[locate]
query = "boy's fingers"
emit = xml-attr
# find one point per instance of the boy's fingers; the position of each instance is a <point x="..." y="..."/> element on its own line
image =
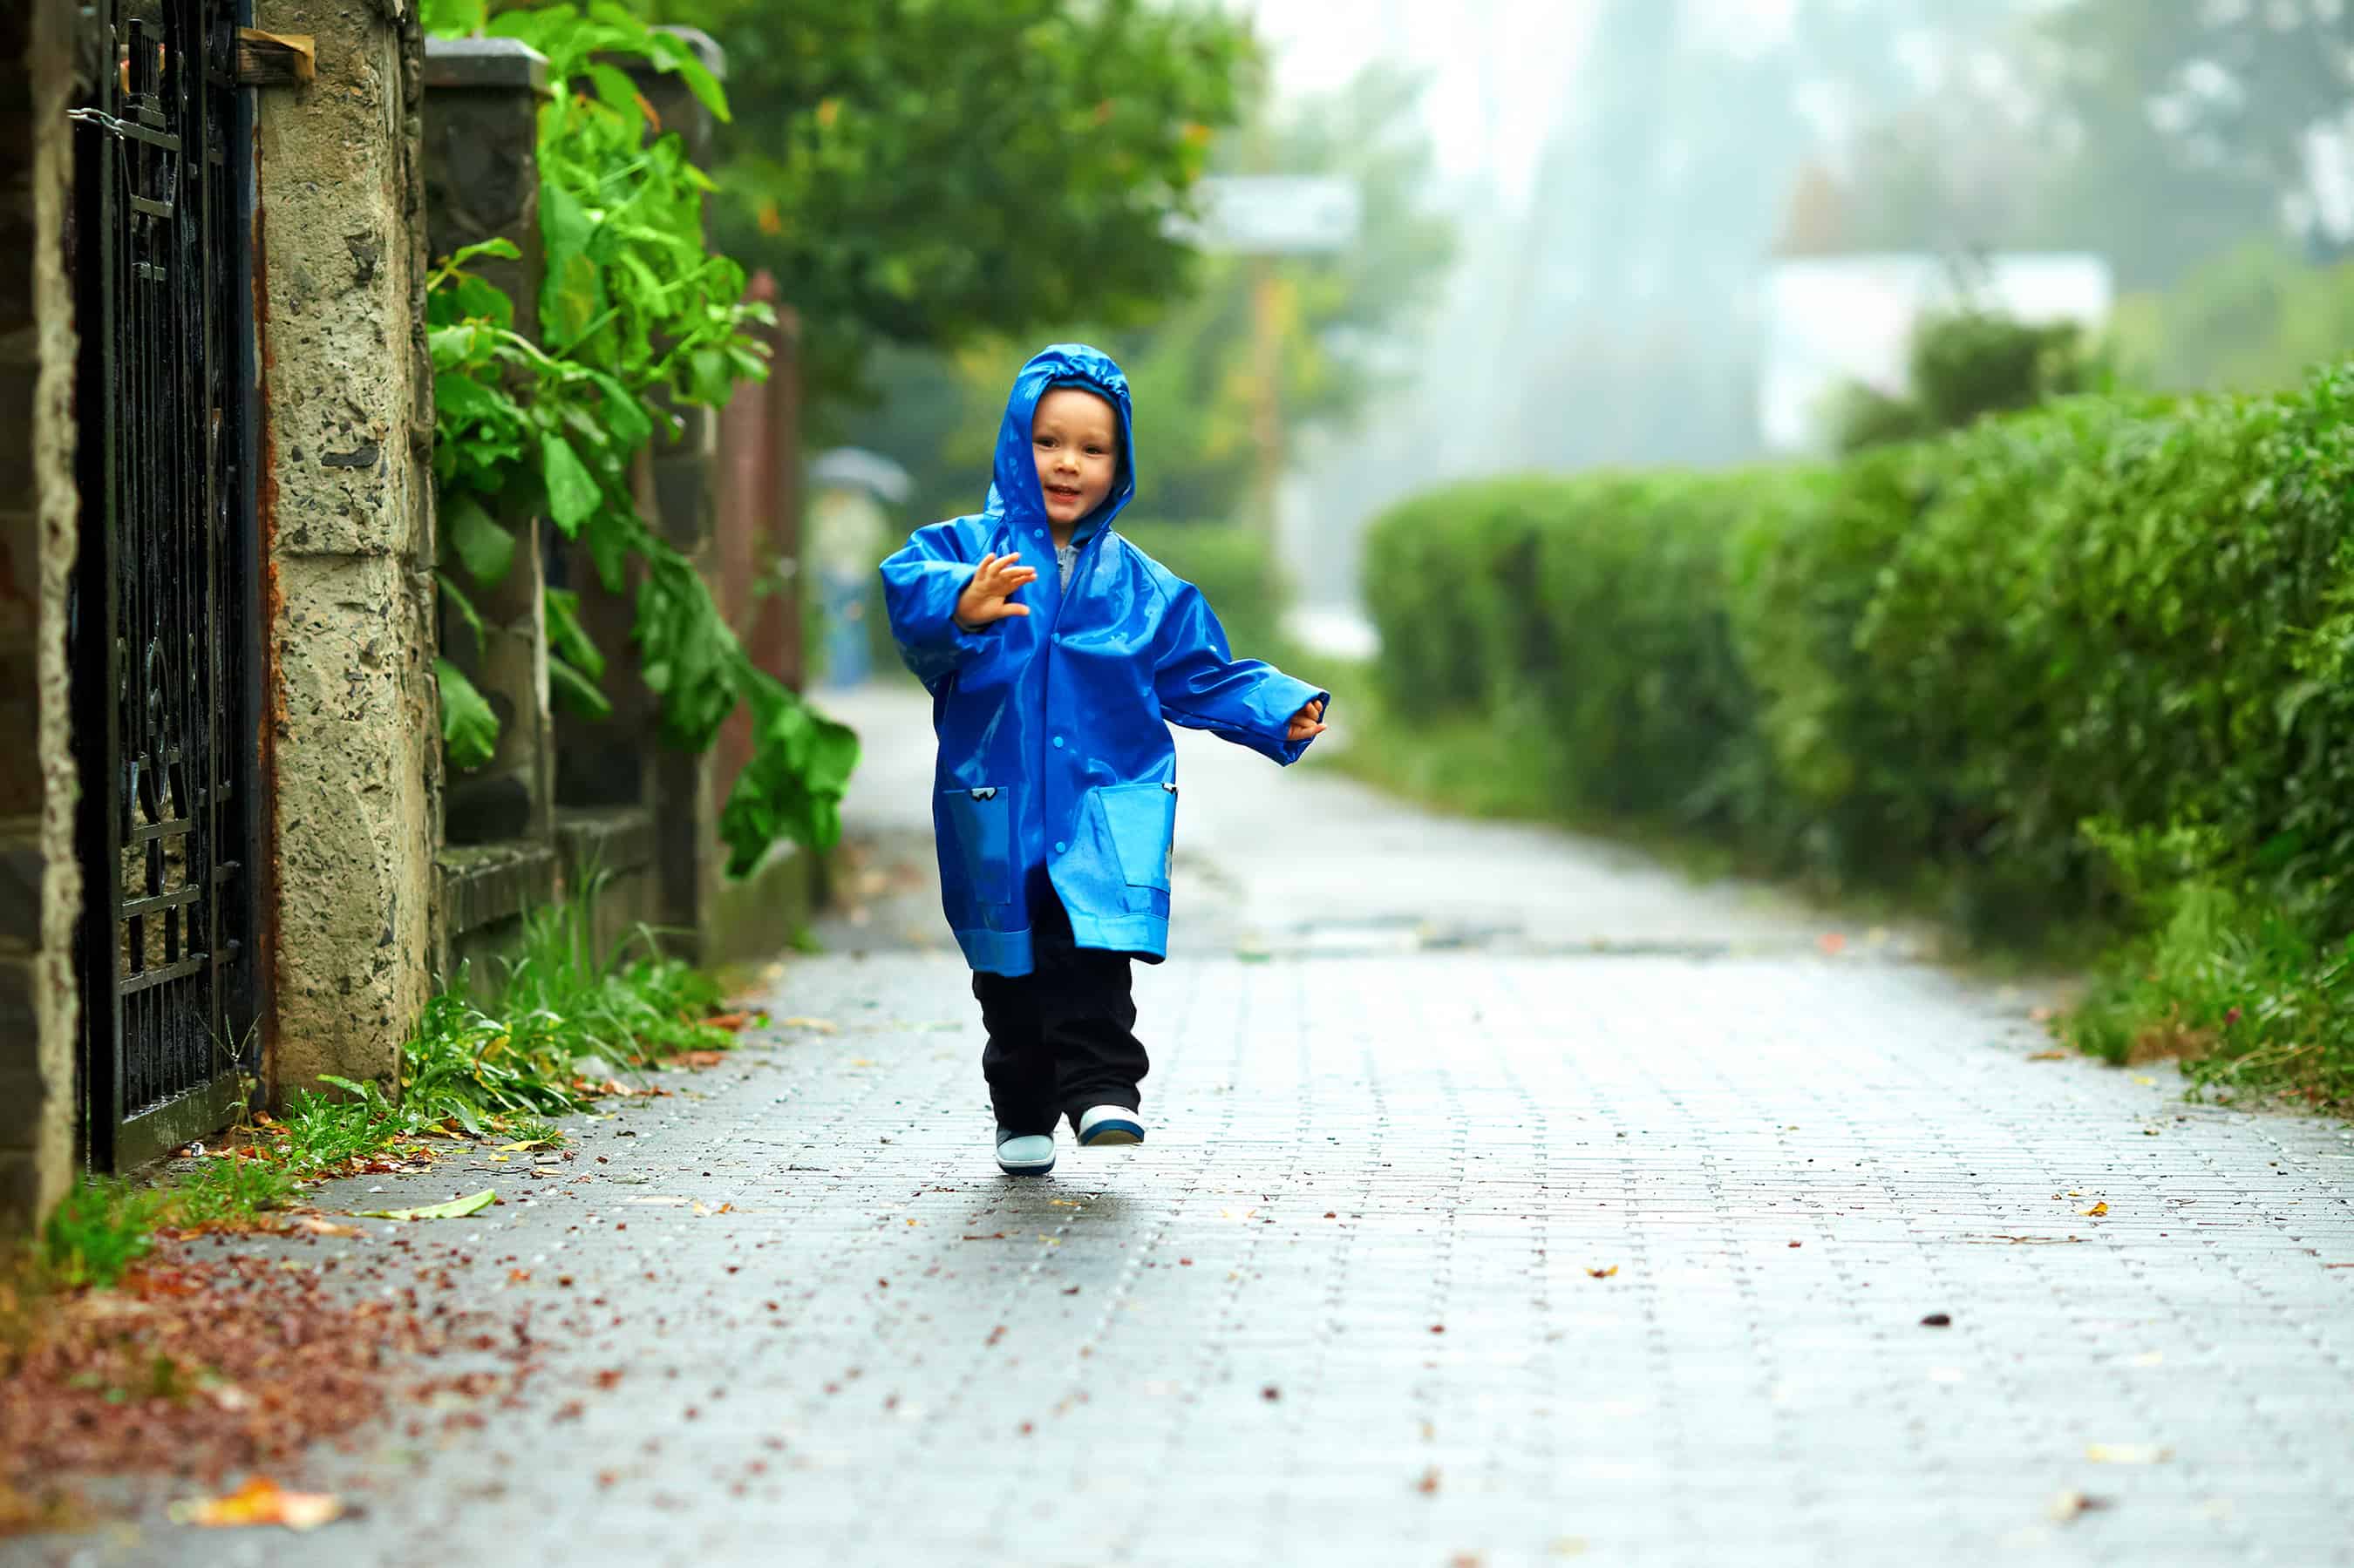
<point x="1015" y="609"/>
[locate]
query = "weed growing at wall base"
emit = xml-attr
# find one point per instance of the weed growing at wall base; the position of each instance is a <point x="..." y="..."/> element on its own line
<point x="561" y="1027"/>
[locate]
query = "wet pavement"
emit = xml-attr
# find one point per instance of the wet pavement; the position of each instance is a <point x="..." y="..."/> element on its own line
<point x="1507" y="1201"/>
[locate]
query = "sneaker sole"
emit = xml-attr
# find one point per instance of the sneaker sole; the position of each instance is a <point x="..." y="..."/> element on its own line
<point x="1111" y="1135"/>
<point x="1013" y="1170"/>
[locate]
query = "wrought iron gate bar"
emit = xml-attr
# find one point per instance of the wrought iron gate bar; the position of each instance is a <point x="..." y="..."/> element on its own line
<point x="164" y="651"/>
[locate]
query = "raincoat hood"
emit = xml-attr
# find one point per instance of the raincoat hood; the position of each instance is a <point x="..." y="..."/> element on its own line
<point x="1013" y="491"/>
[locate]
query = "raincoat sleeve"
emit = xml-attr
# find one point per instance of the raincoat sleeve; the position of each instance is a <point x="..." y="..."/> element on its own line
<point x="921" y="584"/>
<point x="1203" y="685"/>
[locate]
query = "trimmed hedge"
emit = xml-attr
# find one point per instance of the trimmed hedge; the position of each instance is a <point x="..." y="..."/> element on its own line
<point x="2059" y="666"/>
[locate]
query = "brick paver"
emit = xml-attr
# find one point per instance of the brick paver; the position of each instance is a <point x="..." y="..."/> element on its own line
<point x="1343" y="1307"/>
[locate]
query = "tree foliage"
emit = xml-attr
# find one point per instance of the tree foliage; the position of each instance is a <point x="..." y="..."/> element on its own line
<point x="923" y="172"/>
<point x="1195" y="363"/>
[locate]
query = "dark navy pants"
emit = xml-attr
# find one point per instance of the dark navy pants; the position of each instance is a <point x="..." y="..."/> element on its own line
<point x="1062" y="1038"/>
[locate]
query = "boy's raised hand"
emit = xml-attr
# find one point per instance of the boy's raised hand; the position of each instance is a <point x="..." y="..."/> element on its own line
<point x="1306" y="722"/>
<point x="988" y="598"/>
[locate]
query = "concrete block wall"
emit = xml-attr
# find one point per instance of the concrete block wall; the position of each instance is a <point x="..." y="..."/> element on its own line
<point x="40" y="884"/>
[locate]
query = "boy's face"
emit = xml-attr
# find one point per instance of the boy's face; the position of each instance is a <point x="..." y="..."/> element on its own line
<point x="1075" y="440"/>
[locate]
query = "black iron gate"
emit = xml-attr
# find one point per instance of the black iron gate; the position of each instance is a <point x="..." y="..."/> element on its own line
<point x="163" y="655"/>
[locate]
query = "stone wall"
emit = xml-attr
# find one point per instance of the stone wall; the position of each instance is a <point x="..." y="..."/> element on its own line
<point x="346" y="513"/>
<point x="40" y="884"/>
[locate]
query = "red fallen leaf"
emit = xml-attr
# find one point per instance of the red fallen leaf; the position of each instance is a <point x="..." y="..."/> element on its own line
<point x="1185" y="1263"/>
<point x="996" y="1334"/>
<point x="608" y="1378"/>
<point x="571" y="1410"/>
<point x="1270" y="1393"/>
<point x="1832" y="942"/>
<point x="701" y="1058"/>
<point x="1439" y="1328"/>
<point x="727" y="1021"/>
<point x="1797" y="1244"/>
<point x="518" y="1276"/>
<point x="1428" y="1485"/>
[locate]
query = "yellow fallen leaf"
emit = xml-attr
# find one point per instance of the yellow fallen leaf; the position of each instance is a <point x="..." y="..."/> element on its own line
<point x="2049" y="1056"/>
<point x="2145" y="1078"/>
<point x="455" y="1209"/>
<point x="1603" y="1273"/>
<point x="2096" y="1211"/>
<point x="258" y="1501"/>
<point x="523" y="1143"/>
<point x="860" y="1062"/>
<point x="2127" y="1452"/>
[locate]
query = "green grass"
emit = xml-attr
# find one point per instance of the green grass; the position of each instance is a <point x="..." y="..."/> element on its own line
<point x="2238" y="987"/>
<point x="559" y="1020"/>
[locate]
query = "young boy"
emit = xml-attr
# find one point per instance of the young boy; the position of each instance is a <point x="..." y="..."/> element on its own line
<point x="1055" y="795"/>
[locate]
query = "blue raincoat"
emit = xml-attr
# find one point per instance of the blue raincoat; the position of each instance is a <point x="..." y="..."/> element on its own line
<point x="1056" y="765"/>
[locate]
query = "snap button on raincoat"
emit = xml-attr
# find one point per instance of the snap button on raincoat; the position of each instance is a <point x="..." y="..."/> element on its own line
<point x="1056" y="765"/>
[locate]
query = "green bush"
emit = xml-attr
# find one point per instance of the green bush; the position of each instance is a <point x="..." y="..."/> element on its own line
<point x="1231" y="565"/>
<point x="2078" y="668"/>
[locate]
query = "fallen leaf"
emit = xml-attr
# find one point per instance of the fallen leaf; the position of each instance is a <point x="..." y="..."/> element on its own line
<point x="455" y="1209"/>
<point x="326" y="1227"/>
<point x="1831" y="942"/>
<point x="2127" y="1452"/>
<point x="1428" y="1485"/>
<point x="701" y="1058"/>
<point x="727" y="1021"/>
<point x="2144" y="1079"/>
<point x="2096" y="1211"/>
<point x="1938" y="1320"/>
<point x="524" y="1143"/>
<point x="258" y="1501"/>
<point x="2049" y="1056"/>
<point x="1603" y="1273"/>
<point x="814" y="1025"/>
<point x="2067" y="1505"/>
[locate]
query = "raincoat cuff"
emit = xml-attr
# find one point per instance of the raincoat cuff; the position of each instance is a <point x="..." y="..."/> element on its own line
<point x="1291" y="751"/>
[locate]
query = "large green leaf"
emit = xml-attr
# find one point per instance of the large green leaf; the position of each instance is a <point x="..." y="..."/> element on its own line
<point x="483" y="544"/>
<point x="567" y="638"/>
<point x="573" y="495"/>
<point x="469" y="730"/>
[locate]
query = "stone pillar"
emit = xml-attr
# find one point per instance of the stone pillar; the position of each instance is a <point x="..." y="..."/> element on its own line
<point x="346" y="519"/>
<point x="482" y="182"/>
<point x="40" y="882"/>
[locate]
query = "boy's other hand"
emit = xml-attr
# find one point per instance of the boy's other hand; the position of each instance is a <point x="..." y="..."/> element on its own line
<point x="1306" y="722"/>
<point x="988" y="597"/>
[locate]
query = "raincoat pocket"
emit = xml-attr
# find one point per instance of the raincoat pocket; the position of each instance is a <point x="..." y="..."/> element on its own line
<point x="1143" y="822"/>
<point x="979" y="826"/>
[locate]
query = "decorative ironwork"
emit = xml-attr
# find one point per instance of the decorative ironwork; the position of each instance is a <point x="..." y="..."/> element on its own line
<point x="163" y="614"/>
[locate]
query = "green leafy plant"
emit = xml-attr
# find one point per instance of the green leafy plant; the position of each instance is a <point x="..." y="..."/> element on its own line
<point x="636" y="318"/>
<point x="2074" y="675"/>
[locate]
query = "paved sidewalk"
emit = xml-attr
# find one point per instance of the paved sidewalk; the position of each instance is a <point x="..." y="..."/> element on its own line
<point x="1498" y="1253"/>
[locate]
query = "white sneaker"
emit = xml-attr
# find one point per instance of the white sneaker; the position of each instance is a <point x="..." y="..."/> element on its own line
<point x="1108" y="1125"/>
<point x="1025" y="1153"/>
